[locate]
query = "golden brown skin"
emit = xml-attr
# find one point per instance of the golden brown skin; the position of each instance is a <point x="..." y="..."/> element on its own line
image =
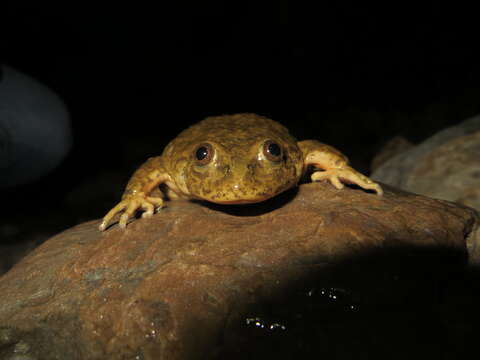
<point x="232" y="159"/>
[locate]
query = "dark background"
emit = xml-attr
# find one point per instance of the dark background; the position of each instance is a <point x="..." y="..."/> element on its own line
<point x="352" y="74"/>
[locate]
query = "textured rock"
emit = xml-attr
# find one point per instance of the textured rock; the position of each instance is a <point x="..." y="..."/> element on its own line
<point x="446" y="166"/>
<point x="168" y="287"/>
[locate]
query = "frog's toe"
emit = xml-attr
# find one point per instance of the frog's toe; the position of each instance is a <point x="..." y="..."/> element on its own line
<point x="103" y="225"/>
<point x="319" y="176"/>
<point x="157" y="203"/>
<point x="336" y="182"/>
<point x="348" y="175"/>
<point x="129" y="212"/>
<point x="361" y="180"/>
<point x="149" y="209"/>
<point x="107" y="218"/>
<point x="327" y="175"/>
<point x="375" y="187"/>
<point x="123" y="220"/>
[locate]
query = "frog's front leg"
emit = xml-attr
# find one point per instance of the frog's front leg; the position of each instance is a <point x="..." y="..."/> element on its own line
<point x="136" y="195"/>
<point x="335" y="166"/>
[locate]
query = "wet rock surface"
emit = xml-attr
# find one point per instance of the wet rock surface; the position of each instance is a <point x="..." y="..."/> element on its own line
<point x="176" y="286"/>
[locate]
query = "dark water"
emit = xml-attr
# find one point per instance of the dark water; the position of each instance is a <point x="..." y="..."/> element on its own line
<point x="401" y="303"/>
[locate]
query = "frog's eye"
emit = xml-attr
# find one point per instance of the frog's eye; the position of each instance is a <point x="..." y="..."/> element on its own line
<point x="203" y="153"/>
<point x="272" y="151"/>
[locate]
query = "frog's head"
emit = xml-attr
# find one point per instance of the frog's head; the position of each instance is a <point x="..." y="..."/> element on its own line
<point x="235" y="159"/>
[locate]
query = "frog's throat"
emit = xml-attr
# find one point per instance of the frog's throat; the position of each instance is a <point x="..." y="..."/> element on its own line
<point x="238" y="201"/>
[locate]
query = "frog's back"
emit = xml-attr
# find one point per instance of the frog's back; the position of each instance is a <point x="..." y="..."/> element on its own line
<point x="239" y="126"/>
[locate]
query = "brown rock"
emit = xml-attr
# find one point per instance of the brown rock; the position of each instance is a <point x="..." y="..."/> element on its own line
<point x="171" y="286"/>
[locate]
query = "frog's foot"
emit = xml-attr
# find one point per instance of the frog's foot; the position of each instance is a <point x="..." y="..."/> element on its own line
<point x="129" y="206"/>
<point x="348" y="175"/>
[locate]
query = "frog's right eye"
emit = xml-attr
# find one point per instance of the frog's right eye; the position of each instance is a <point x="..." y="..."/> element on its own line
<point x="272" y="151"/>
<point x="203" y="154"/>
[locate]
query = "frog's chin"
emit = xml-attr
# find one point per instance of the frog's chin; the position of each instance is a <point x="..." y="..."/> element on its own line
<point x="238" y="201"/>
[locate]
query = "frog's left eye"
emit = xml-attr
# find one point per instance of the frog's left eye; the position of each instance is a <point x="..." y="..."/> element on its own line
<point x="203" y="153"/>
<point x="272" y="151"/>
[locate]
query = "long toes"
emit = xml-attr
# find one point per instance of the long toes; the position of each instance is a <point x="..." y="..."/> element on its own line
<point x="327" y="175"/>
<point x="129" y="207"/>
<point x="106" y="219"/>
<point x="364" y="182"/>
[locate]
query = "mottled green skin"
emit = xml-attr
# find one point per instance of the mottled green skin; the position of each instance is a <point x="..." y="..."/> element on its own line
<point x="238" y="172"/>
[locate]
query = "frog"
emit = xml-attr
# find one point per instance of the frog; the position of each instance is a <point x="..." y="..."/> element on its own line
<point x="232" y="159"/>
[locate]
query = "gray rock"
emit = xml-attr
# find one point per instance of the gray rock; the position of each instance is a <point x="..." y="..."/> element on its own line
<point x="35" y="130"/>
<point x="445" y="166"/>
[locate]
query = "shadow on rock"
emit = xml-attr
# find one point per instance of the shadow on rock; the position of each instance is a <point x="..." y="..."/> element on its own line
<point x="395" y="303"/>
